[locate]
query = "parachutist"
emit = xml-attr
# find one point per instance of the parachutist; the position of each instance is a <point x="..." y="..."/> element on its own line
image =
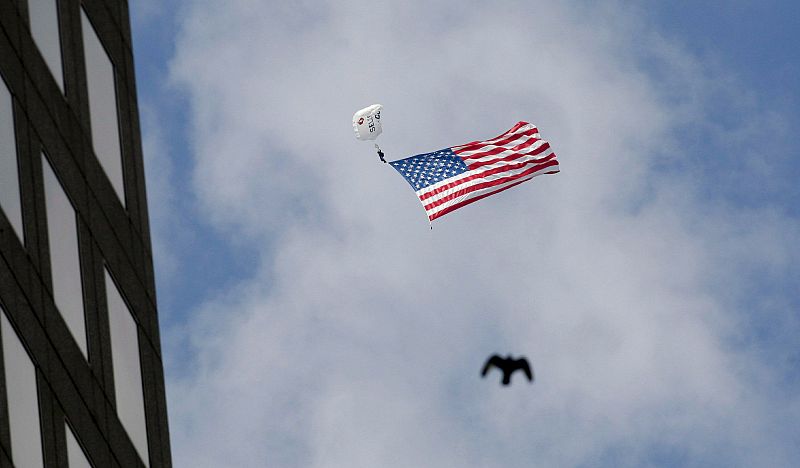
<point x="380" y="153"/>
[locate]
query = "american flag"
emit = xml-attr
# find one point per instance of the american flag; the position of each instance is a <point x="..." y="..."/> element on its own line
<point x="448" y="179"/>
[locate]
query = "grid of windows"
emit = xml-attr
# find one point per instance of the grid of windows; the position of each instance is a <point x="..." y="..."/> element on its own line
<point x="63" y="182"/>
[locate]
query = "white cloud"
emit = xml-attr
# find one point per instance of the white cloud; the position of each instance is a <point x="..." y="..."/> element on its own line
<point x="161" y="194"/>
<point x="359" y="340"/>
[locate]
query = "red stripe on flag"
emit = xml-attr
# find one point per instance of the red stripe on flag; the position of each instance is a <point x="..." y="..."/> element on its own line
<point x="512" y="157"/>
<point x="494" y="149"/>
<point x="507" y="135"/>
<point x="507" y="138"/>
<point x="481" y="175"/>
<point x="483" y="185"/>
<point x="473" y="200"/>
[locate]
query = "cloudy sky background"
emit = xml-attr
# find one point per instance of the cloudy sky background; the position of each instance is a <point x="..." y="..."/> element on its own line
<point x="312" y="319"/>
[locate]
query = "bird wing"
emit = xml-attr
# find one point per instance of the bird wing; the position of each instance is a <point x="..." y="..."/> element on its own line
<point x="494" y="360"/>
<point x="526" y="368"/>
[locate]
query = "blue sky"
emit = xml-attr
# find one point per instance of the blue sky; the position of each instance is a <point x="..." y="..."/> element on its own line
<point x="312" y="319"/>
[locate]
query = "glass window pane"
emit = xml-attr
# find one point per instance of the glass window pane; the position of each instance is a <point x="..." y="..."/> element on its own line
<point x="9" y="175"/>
<point x="102" y="106"/>
<point x="44" y="28"/>
<point x="62" y="232"/>
<point x="127" y="368"/>
<point x="23" y="403"/>
<point x="76" y="458"/>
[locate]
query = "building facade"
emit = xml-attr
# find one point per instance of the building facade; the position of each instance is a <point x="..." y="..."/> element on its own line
<point x="81" y="375"/>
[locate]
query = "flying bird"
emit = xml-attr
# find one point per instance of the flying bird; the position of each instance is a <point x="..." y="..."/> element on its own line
<point x="508" y="365"/>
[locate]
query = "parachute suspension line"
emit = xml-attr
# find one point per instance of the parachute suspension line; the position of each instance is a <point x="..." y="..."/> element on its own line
<point x="380" y="153"/>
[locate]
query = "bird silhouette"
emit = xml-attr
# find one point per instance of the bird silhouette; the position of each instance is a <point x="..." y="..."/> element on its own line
<point x="508" y="365"/>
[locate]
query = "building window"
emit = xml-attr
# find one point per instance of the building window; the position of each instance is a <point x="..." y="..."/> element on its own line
<point x="65" y="264"/>
<point x="9" y="175"/>
<point x="45" y="31"/>
<point x="128" y="386"/>
<point x="23" y="403"/>
<point x="100" y="80"/>
<point x="76" y="457"/>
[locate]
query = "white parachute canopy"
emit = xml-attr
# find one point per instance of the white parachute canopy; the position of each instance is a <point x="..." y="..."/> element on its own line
<point x="367" y="122"/>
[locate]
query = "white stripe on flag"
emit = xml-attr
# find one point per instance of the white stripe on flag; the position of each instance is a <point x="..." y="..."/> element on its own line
<point x="460" y="186"/>
<point x="478" y="178"/>
<point x="509" y="145"/>
<point x="495" y="188"/>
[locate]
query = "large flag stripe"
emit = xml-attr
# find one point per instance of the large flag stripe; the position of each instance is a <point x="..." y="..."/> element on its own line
<point x="433" y="214"/>
<point x="517" y="130"/>
<point x="465" y="190"/>
<point x="443" y="210"/>
<point x="474" y="185"/>
<point x="519" y="127"/>
<point x="506" y="140"/>
<point x="487" y="150"/>
<point x="509" y="156"/>
<point x="488" y="173"/>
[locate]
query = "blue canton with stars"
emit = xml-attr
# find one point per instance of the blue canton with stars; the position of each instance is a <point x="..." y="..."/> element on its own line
<point x="427" y="169"/>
